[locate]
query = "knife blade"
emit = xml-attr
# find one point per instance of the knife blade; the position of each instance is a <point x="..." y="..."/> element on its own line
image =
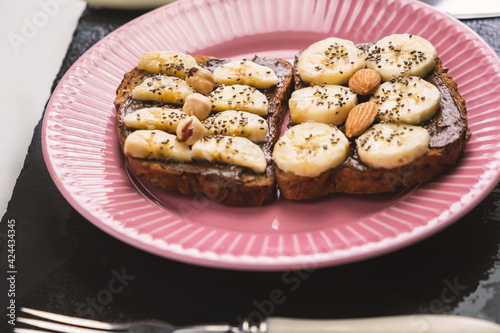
<point x="467" y="9"/>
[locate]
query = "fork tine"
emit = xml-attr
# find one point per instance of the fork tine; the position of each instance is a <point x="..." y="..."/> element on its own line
<point x="27" y="330"/>
<point x="58" y="327"/>
<point x="76" y="321"/>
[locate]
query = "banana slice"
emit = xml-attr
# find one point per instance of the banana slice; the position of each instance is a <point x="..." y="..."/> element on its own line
<point x="410" y="100"/>
<point x="239" y="123"/>
<point x="231" y="150"/>
<point x="330" y="61"/>
<point x="389" y="145"/>
<point x="328" y="104"/>
<point x="156" y="145"/>
<point x="163" y="89"/>
<point x="167" y="62"/>
<point x="309" y="149"/>
<point x="239" y="97"/>
<point x="400" y="54"/>
<point x="245" y="72"/>
<point x="164" y="119"/>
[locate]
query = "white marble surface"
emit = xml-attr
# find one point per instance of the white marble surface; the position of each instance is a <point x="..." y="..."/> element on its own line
<point x="35" y="37"/>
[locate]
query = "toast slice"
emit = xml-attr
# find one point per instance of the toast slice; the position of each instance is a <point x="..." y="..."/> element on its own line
<point x="448" y="135"/>
<point x="227" y="184"/>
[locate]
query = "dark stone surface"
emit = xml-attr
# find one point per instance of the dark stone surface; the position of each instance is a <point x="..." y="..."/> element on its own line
<point x="65" y="264"/>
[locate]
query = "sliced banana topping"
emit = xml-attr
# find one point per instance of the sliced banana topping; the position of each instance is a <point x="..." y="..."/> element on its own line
<point x="330" y="61"/>
<point x="310" y="149"/>
<point x="163" y="89"/>
<point x="164" y="119"/>
<point x="395" y="55"/>
<point x="167" y="62"/>
<point x="389" y="145"/>
<point x="156" y="145"/>
<point x="328" y="104"/>
<point x="245" y="72"/>
<point x="238" y="123"/>
<point x="409" y="100"/>
<point x="239" y="97"/>
<point x="231" y="150"/>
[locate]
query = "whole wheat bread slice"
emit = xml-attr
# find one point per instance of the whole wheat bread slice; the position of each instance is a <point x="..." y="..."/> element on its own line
<point x="228" y="184"/>
<point x="448" y="131"/>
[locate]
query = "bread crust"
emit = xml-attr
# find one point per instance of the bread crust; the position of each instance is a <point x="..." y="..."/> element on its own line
<point x="447" y="145"/>
<point x="231" y="185"/>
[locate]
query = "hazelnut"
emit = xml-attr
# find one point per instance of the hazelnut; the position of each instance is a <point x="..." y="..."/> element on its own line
<point x="202" y="80"/>
<point x="365" y="81"/>
<point x="197" y="105"/>
<point x="190" y="130"/>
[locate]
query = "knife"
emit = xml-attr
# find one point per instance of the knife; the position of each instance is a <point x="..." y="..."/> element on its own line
<point x="394" y="324"/>
<point x="467" y="9"/>
<point x="461" y="9"/>
<point x="391" y="324"/>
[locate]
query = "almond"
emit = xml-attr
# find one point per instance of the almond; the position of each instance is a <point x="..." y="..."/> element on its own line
<point x="360" y="118"/>
<point x="365" y="81"/>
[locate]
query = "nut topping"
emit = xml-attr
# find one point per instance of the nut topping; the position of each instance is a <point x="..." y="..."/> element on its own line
<point x="202" y="80"/>
<point x="365" y="81"/>
<point x="190" y="130"/>
<point x="360" y="118"/>
<point x="197" y="105"/>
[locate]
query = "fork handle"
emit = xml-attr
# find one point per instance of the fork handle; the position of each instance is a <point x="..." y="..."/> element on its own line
<point x="394" y="324"/>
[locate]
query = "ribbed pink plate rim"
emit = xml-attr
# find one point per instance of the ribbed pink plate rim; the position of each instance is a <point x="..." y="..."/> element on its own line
<point x="83" y="155"/>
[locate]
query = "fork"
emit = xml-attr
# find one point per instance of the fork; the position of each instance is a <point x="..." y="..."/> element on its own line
<point x="393" y="324"/>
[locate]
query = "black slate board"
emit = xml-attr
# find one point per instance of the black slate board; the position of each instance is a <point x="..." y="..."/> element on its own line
<point x="66" y="265"/>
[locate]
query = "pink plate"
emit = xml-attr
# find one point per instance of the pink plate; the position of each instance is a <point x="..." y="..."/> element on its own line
<point x="83" y="156"/>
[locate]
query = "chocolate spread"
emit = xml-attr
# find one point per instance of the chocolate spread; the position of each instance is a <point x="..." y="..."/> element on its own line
<point x="447" y="126"/>
<point x="232" y="171"/>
